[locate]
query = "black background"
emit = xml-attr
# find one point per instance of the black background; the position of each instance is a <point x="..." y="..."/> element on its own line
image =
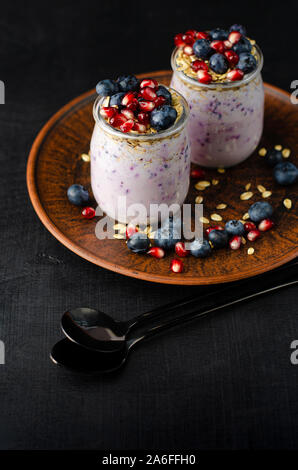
<point x="224" y="383"/>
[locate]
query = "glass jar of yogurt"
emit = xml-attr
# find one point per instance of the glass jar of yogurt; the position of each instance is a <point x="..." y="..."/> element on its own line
<point x="226" y="119"/>
<point x="147" y="169"/>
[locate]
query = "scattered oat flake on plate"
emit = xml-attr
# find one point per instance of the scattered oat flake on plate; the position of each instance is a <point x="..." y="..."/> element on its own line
<point x="266" y="194"/>
<point x="245" y="196"/>
<point x="262" y="152"/>
<point x="243" y="240"/>
<point x="286" y="153"/>
<point x="221" y="170"/>
<point x="199" y="199"/>
<point x="118" y="226"/>
<point x="248" y="186"/>
<point x="85" y="157"/>
<point x="201" y="185"/>
<point x="204" y="220"/>
<point x="215" y="182"/>
<point x="245" y="216"/>
<point x="278" y="147"/>
<point x="287" y="203"/>
<point x="221" y="206"/>
<point x="216" y="217"/>
<point x="119" y="236"/>
<point x="250" y="251"/>
<point x="261" y="188"/>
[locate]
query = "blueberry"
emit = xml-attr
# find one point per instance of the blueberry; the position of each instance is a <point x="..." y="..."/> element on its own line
<point x="138" y="243"/>
<point x="107" y="87"/>
<point x="285" y="173"/>
<point x="200" y="248"/>
<point x="247" y="62"/>
<point x="166" y="237"/>
<point x="218" y="238"/>
<point x="234" y="227"/>
<point x="173" y="223"/>
<point x="218" y="63"/>
<point x="273" y="157"/>
<point x="238" y="27"/>
<point x="260" y="210"/>
<point x="218" y="34"/>
<point x="163" y="117"/>
<point x="78" y="195"/>
<point x="162" y="91"/>
<point x="202" y="49"/>
<point x="116" y="99"/>
<point x="128" y="83"/>
<point x="242" y="46"/>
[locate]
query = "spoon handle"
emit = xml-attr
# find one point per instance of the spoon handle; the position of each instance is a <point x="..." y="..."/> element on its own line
<point x="229" y="297"/>
<point x="219" y="293"/>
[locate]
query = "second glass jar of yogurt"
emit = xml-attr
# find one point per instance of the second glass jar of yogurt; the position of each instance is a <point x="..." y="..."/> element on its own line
<point x="147" y="168"/>
<point x="226" y="117"/>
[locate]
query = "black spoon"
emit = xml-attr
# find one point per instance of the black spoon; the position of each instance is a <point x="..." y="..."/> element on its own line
<point x="98" y="331"/>
<point x="75" y="357"/>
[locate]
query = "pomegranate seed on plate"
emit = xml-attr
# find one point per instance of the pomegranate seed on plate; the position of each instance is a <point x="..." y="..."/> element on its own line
<point x="235" y="75"/>
<point x="228" y="44"/>
<point x="117" y="120"/>
<point x="218" y="46"/>
<point x="188" y="50"/>
<point x="235" y="242"/>
<point x="148" y="82"/>
<point x="199" y="65"/>
<point x="127" y="126"/>
<point x="128" y="113"/>
<point x="148" y="94"/>
<point x="176" y="266"/>
<point x="146" y="106"/>
<point x="192" y="32"/>
<point x="88" y="212"/>
<point x="156" y="252"/>
<point x="178" y="40"/>
<point x="234" y="37"/>
<point x="202" y="35"/>
<point x="108" y="111"/>
<point x="197" y="173"/>
<point x="130" y="230"/>
<point x="216" y="227"/>
<point x="143" y="118"/>
<point x="248" y="226"/>
<point x="204" y="77"/>
<point x="160" y="100"/>
<point x="180" y="249"/>
<point x="232" y="57"/>
<point x="265" y="225"/>
<point x="253" y="235"/>
<point x="133" y="105"/>
<point x="188" y="39"/>
<point x="128" y="98"/>
<point x="139" y="127"/>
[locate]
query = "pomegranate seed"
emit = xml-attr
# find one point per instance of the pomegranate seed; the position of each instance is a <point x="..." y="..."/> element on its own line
<point x="188" y="50"/>
<point x="128" y="113"/>
<point x="176" y="266"/>
<point x="192" y="32"/>
<point x="197" y="173"/>
<point x="128" y="98"/>
<point x="148" y="94"/>
<point x="216" y="227"/>
<point x="133" y="105"/>
<point x="253" y="235"/>
<point x="146" y="106"/>
<point x="265" y="225"/>
<point x="218" y="46"/>
<point x="156" y="252"/>
<point x="127" y="126"/>
<point x="227" y="44"/>
<point x="188" y="39"/>
<point x="248" y="226"/>
<point x="108" y="111"/>
<point x="130" y="230"/>
<point x="117" y="120"/>
<point x="160" y="100"/>
<point x="204" y="77"/>
<point x="234" y="37"/>
<point x="143" y="118"/>
<point x="139" y="127"/>
<point x="180" y="249"/>
<point x="148" y="82"/>
<point x="199" y="65"/>
<point x="234" y="75"/>
<point x="235" y="242"/>
<point x="178" y="40"/>
<point x="232" y="57"/>
<point x="88" y="212"/>
<point x="202" y="35"/>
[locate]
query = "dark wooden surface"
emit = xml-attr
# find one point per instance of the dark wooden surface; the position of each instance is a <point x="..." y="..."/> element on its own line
<point x="55" y="163"/>
<point x="224" y="383"/>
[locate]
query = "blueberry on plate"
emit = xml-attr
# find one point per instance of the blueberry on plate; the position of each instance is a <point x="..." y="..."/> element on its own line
<point x="116" y="99"/>
<point x="259" y="211"/>
<point x="128" y="83"/>
<point x="78" y="195"/>
<point x="138" y="243"/>
<point x="285" y="173"/>
<point x="162" y="91"/>
<point x="202" y="49"/>
<point x="107" y="87"/>
<point x="166" y="237"/>
<point x="174" y="223"/>
<point x="247" y="62"/>
<point x="234" y="227"/>
<point x="218" y="238"/>
<point x="273" y="157"/>
<point x="238" y="27"/>
<point x="218" y="63"/>
<point x="163" y="117"/>
<point x="218" y="34"/>
<point x="242" y="46"/>
<point x="200" y="248"/>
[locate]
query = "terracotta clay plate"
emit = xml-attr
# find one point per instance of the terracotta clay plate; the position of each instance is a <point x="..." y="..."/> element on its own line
<point x="55" y="163"/>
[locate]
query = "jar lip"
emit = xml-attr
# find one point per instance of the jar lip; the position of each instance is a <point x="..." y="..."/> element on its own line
<point x="159" y="135"/>
<point x="224" y="85"/>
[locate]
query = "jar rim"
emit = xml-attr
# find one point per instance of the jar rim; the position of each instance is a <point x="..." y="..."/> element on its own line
<point x="176" y="127"/>
<point x="224" y="85"/>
